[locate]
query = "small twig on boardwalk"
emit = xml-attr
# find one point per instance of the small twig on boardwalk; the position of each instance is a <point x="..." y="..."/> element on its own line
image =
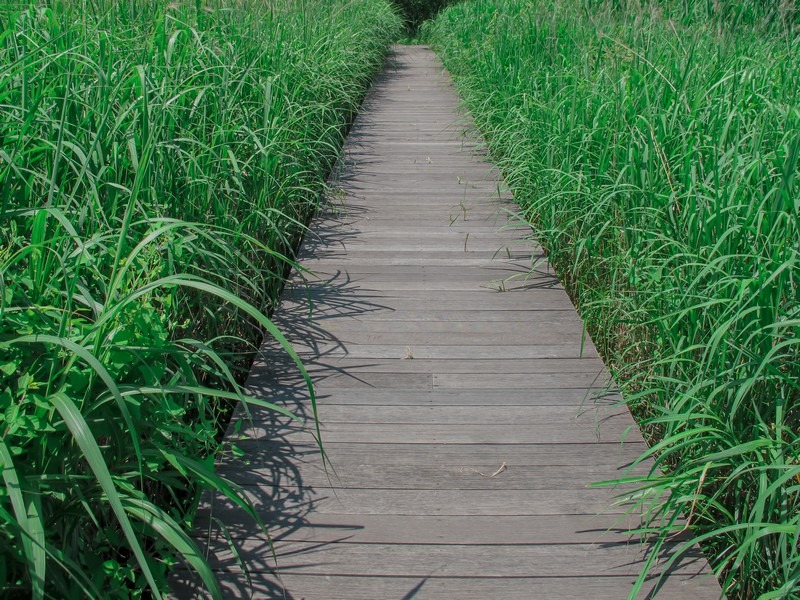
<point x="500" y="469"/>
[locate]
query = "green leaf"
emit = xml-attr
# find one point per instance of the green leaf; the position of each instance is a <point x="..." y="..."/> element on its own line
<point x="170" y="530"/>
<point x="82" y="435"/>
<point x="29" y="521"/>
<point x="101" y="371"/>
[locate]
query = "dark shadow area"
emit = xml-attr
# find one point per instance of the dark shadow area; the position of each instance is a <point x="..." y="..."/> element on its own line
<point x="690" y="564"/>
<point x="415" y="12"/>
<point x="273" y="445"/>
<point x="413" y="591"/>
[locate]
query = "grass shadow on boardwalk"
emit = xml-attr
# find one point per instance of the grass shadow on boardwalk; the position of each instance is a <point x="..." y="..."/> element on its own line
<point x="276" y="447"/>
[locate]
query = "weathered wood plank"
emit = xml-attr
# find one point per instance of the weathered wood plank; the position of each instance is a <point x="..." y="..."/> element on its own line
<point x="467" y="243"/>
<point x="401" y="259"/>
<point x="394" y="282"/>
<point x="421" y="502"/>
<point x="409" y="350"/>
<point x="366" y="312"/>
<point x="383" y="529"/>
<point x="614" y="456"/>
<point x="297" y="395"/>
<point x="388" y="342"/>
<point x="489" y="382"/>
<point x="476" y="587"/>
<point x="556" y="326"/>
<point x="460" y="530"/>
<point x="412" y="281"/>
<point x="588" y="416"/>
<point x="323" y="365"/>
<point x="446" y="560"/>
<point x="480" y="588"/>
<point x="609" y="430"/>
<point x="356" y="475"/>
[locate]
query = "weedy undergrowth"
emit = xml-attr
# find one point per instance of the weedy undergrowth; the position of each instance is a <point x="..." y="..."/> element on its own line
<point x="157" y="163"/>
<point x="654" y="147"/>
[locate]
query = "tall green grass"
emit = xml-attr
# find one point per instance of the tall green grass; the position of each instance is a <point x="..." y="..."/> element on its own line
<point x="157" y="163"/>
<point x="654" y="148"/>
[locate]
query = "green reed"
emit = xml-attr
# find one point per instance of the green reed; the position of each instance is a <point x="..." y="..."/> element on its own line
<point x="157" y="163"/>
<point x="655" y="150"/>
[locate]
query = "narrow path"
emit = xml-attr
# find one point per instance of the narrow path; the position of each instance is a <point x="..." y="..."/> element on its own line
<point x="464" y="413"/>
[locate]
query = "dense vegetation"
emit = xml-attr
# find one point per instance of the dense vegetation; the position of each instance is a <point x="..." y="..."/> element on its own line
<point x="655" y="148"/>
<point x="157" y="162"/>
<point x="415" y="12"/>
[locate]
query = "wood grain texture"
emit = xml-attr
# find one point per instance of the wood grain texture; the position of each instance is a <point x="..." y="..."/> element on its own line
<point x="464" y="412"/>
<point x="433" y="587"/>
<point x="426" y="530"/>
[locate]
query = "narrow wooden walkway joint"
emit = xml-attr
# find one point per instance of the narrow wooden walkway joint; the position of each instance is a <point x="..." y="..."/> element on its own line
<point x="463" y="410"/>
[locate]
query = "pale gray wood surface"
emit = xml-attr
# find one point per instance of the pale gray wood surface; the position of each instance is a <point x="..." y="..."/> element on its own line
<point x="463" y="409"/>
<point x="477" y="587"/>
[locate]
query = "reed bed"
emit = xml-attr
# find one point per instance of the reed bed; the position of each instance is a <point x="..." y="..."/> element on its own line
<point x="158" y="161"/>
<point x="654" y="148"/>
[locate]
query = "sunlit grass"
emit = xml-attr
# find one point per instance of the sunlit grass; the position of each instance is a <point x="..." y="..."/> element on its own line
<point x="157" y="163"/>
<point x="655" y="149"/>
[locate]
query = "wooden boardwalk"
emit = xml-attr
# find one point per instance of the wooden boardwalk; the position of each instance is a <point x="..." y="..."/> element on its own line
<point x="463" y="410"/>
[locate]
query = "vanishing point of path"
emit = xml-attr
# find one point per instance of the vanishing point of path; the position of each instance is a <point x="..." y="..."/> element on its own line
<point x="463" y="410"/>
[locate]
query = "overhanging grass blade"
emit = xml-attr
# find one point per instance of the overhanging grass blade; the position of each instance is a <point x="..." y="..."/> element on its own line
<point x="30" y="524"/>
<point x="82" y="435"/>
<point x="166" y="528"/>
